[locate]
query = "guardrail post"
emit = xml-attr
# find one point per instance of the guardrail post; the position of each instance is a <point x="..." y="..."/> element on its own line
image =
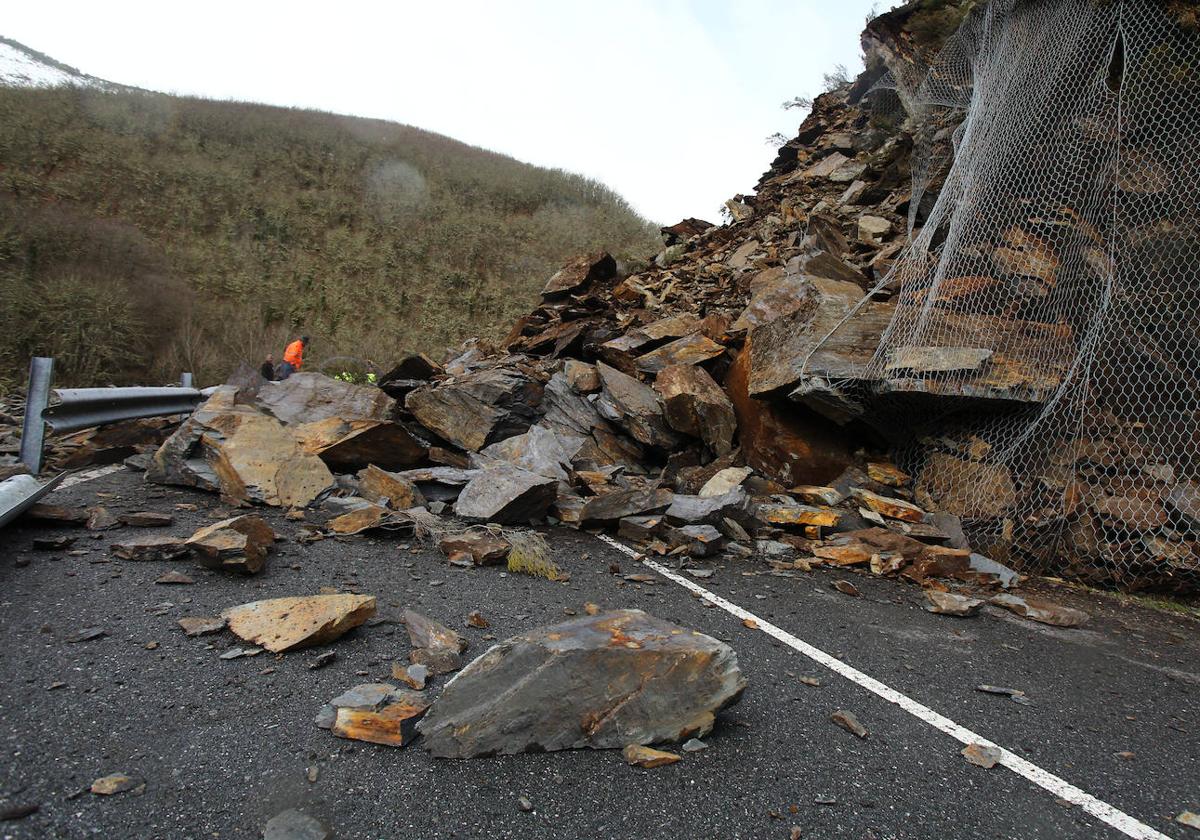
<point x="33" y="432"/>
<point x="185" y="379"/>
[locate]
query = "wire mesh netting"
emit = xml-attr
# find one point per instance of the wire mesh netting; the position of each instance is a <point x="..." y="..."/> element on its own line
<point x="1040" y="368"/>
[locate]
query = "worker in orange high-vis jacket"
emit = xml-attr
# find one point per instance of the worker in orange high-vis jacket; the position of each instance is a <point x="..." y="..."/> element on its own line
<point x="293" y="357"/>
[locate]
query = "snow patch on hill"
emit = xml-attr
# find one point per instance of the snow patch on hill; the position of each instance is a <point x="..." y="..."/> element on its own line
<point x="20" y="67"/>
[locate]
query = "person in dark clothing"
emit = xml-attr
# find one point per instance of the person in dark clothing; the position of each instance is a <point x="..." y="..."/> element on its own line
<point x="268" y="369"/>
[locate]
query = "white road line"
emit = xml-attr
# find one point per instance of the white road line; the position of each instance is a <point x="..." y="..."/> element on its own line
<point x="99" y="472"/>
<point x="1114" y="817"/>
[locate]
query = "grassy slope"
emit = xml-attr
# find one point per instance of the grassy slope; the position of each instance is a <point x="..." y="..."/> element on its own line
<point x="161" y="233"/>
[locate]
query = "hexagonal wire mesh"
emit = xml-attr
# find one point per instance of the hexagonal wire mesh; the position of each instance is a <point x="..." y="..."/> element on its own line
<point x="1040" y="374"/>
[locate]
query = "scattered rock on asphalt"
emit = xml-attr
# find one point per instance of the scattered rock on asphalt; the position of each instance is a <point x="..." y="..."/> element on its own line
<point x="174" y="578"/>
<point x="1188" y="818"/>
<point x="846" y="587"/>
<point x="435" y="646"/>
<point x="56" y="514"/>
<point x="239" y="544"/>
<point x="202" y="625"/>
<point x="53" y="543"/>
<point x="88" y="634"/>
<point x="484" y="547"/>
<point x="240" y="652"/>
<point x="150" y="547"/>
<point x="377" y="712"/>
<point x="524" y="805"/>
<point x="694" y="745"/>
<point x="981" y="756"/>
<point x="114" y="783"/>
<point x="475" y="619"/>
<point x="950" y="603"/>
<point x="295" y="825"/>
<point x="99" y="519"/>
<point x="11" y="813"/>
<point x="283" y="624"/>
<point x="146" y="519"/>
<point x="322" y="659"/>
<point x="414" y="676"/>
<point x="849" y="722"/>
<point x="647" y="757"/>
<point x="1041" y="611"/>
<point x="602" y="681"/>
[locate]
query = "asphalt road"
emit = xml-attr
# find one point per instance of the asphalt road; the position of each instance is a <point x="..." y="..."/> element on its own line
<point x="224" y="745"/>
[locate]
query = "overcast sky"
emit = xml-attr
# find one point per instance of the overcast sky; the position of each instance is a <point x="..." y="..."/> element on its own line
<point x="669" y="102"/>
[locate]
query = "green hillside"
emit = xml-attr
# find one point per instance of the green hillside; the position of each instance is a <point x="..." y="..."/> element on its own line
<point x="143" y="234"/>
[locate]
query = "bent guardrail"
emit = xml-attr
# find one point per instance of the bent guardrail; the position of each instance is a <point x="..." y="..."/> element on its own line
<point x="82" y="408"/>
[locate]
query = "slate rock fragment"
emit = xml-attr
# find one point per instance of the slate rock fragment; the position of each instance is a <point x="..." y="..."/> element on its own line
<point x="283" y="624"/>
<point x="239" y="544"/>
<point x="150" y="548"/>
<point x="506" y="495"/>
<point x="603" y="681"/>
<point x="435" y="645"/>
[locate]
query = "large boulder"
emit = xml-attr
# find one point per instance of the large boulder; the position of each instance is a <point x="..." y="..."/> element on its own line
<point x="477" y="408"/>
<point x="696" y="406"/>
<point x="349" y="445"/>
<point x="635" y="407"/>
<point x="243" y="454"/>
<point x="507" y="495"/>
<point x="603" y="681"/>
<point x="309" y="397"/>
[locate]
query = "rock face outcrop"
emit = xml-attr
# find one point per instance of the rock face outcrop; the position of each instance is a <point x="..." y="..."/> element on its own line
<point x="603" y="681"/>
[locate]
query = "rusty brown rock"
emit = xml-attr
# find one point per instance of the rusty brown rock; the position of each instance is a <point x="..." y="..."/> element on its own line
<point x="784" y="514"/>
<point x="580" y="273"/>
<point x="484" y="547"/>
<point x="239" y="544"/>
<point x="781" y="441"/>
<point x="695" y="405"/>
<point x="101" y="519"/>
<point x="375" y="712"/>
<point x="58" y="514"/>
<point x="349" y="445"/>
<point x="283" y="624"/>
<point x="889" y="507"/>
<point x="151" y="547"/>
<point x="243" y="454"/>
<point x="362" y="518"/>
<point x="689" y="350"/>
<point x="435" y="645"/>
<point x="647" y="757"/>
<point x="383" y="487"/>
<point x="951" y="603"/>
<point x="849" y="722"/>
<point x="604" y="681"/>
<point x="146" y="519"/>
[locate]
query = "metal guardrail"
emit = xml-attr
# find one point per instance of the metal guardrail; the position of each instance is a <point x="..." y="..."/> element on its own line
<point x="82" y="408"/>
<point x="21" y="492"/>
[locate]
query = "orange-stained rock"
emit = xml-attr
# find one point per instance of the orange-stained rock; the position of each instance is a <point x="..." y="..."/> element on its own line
<point x="648" y="757"/>
<point x="695" y="405"/>
<point x="781" y="441"/>
<point x="889" y="507"/>
<point x="386" y="488"/>
<point x="282" y="624"/>
<point x="240" y="544"/>
<point x="348" y="445"/>
<point x="393" y="725"/>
